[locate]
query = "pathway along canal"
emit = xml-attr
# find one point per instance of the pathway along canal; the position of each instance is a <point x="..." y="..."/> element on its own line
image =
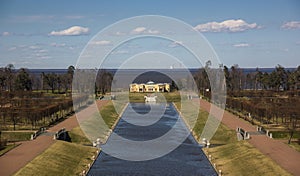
<point x="187" y="159"/>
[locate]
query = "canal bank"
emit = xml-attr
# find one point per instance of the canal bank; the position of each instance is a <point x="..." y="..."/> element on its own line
<point x="186" y="159"/>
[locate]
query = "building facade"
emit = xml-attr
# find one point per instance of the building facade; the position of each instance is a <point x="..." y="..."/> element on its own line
<point x="149" y="87"/>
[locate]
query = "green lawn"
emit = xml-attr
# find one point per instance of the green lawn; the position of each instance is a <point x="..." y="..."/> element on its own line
<point x="295" y="145"/>
<point x="77" y="136"/>
<point x="62" y="158"/>
<point x="285" y="134"/>
<point x="14" y="136"/>
<point x="161" y="97"/>
<point x="98" y="127"/>
<point x="239" y="157"/>
<point x="235" y="157"/>
<point x="109" y="114"/>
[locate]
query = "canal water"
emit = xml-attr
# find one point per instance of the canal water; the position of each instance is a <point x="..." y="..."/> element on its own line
<point x="139" y="123"/>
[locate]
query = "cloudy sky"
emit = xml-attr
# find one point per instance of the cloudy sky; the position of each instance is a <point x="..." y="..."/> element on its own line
<point x="52" y="34"/>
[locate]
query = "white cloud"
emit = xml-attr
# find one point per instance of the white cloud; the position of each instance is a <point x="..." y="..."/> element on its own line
<point x="33" y="18"/>
<point x="143" y="30"/>
<point x="153" y="31"/>
<point x="12" y="48"/>
<point x="241" y="45"/>
<point x="41" y="57"/>
<point x="42" y="51"/>
<point x="119" y="33"/>
<point x="291" y="25"/>
<point x="58" y="44"/>
<point x="138" y="30"/>
<point x="101" y="42"/>
<point x="72" y="31"/>
<point x="226" y="26"/>
<point x="285" y="49"/>
<point x="175" y="44"/>
<point x="33" y="47"/>
<point x="6" y="33"/>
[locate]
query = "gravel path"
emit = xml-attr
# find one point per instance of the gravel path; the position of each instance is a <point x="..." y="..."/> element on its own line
<point x="281" y="153"/>
<point x="17" y="158"/>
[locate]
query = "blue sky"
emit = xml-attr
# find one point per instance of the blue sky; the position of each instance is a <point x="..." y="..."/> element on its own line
<point x="52" y="34"/>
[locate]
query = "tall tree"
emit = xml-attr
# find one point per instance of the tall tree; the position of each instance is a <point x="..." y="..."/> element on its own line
<point x="265" y="80"/>
<point x="258" y="79"/>
<point x="236" y="77"/>
<point x="2" y="79"/>
<point x="201" y="78"/>
<point x="228" y="78"/>
<point x="23" y="80"/>
<point x="103" y="81"/>
<point x="70" y="74"/>
<point x="50" y="79"/>
<point x="291" y="80"/>
<point x="297" y="75"/>
<point x="9" y="73"/>
<point x="280" y="77"/>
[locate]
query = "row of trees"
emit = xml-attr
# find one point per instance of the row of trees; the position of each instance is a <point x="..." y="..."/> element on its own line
<point x="22" y="80"/>
<point x="35" y="109"/>
<point x="237" y="80"/>
<point x="103" y="82"/>
<point x="269" y="110"/>
<point x="279" y="79"/>
<point x="60" y="82"/>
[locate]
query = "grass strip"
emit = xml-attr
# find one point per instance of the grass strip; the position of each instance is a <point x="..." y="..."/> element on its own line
<point x="62" y="158"/>
<point x="234" y="157"/>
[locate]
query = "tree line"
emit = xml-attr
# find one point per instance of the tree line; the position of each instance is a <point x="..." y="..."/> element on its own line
<point x="236" y="80"/>
<point x="12" y="79"/>
<point x="35" y="109"/>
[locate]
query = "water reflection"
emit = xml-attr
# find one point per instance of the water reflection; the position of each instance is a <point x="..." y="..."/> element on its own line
<point x="187" y="159"/>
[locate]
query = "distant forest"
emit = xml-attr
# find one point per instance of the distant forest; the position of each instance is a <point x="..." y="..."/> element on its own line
<point x="279" y="79"/>
<point x="60" y="80"/>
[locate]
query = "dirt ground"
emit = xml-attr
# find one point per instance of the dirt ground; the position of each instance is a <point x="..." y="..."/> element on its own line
<point x="17" y="158"/>
<point x="281" y="153"/>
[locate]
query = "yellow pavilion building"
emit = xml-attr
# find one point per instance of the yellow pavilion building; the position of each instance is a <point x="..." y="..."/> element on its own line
<point x="149" y="87"/>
